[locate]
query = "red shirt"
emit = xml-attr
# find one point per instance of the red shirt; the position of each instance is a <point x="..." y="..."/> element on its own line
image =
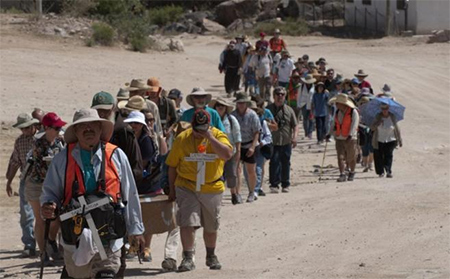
<point x="277" y="45"/>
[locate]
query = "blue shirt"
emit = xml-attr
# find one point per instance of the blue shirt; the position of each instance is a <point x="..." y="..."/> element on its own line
<point x="88" y="171"/>
<point x="267" y="115"/>
<point x="320" y="104"/>
<point x="215" y="117"/>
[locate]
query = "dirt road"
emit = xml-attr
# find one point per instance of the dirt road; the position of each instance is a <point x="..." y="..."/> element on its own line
<point x="370" y="228"/>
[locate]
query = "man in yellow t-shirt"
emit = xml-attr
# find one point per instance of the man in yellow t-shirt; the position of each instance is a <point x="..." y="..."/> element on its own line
<point x="198" y="189"/>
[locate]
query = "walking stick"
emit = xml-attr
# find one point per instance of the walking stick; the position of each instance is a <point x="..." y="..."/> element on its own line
<point x="323" y="160"/>
<point x="44" y="253"/>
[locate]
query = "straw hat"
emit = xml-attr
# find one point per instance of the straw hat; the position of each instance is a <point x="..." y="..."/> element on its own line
<point x="137" y="84"/>
<point x="361" y="73"/>
<point x="309" y="79"/>
<point x="84" y="116"/>
<point x="25" y="120"/>
<point x="342" y="99"/>
<point x="198" y="91"/>
<point x="255" y="107"/>
<point x="221" y="101"/>
<point x="134" y="103"/>
<point x="154" y="84"/>
<point x="315" y="73"/>
<point x="363" y="101"/>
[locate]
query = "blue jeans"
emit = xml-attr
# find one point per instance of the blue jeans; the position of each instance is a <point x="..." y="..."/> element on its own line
<point x="259" y="169"/>
<point x="280" y="166"/>
<point x="321" y="128"/>
<point x="26" y="218"/>
<point x="308" y="124"/>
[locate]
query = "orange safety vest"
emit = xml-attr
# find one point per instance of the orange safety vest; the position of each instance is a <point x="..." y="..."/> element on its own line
<point x="277" y="45"/>
<point x="73" y="173"/>
<point x="344" y="128"/>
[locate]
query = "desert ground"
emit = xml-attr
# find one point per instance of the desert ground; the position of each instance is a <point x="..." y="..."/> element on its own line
<point x="367" y="229"/>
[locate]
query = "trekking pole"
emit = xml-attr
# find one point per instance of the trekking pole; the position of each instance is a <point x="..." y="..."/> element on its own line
<point x="323" y="160"/>
<point x="44" y="253"/>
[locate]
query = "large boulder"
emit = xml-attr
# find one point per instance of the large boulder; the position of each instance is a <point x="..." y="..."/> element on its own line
<point x="292" y="9"/>
<point x="240" y="25"/>
<point x="211" y="27"/>
<point x="176" y="45"/>
<point x="229" y="11"/>
<point x="439" y="36"/>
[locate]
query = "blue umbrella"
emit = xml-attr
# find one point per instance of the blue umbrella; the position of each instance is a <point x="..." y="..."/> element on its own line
<point x="370" y="110"/>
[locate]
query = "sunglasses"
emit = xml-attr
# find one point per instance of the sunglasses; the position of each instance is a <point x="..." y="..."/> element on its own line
<point x="57" y="129"/>
<point x="280" y="94"/>
<point x="150" y="119"/>
<point x="219" y="105"/>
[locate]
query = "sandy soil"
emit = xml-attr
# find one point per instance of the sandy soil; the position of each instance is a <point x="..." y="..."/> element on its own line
<point x="370" y="228"/>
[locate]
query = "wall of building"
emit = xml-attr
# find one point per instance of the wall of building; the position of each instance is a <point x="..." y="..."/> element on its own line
<point x="423" y="15"/>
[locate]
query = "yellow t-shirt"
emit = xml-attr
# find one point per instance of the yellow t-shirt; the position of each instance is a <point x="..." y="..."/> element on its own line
<point x="183" y="146"/>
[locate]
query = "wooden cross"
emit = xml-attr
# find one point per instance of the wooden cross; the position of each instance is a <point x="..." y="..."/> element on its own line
<point x="201" y="159"/>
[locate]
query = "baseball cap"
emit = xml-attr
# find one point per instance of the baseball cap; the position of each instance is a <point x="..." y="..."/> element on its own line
<point x="102" y="100"/>
<point x="51" y="119"/>
<point x="200" y="120"/>
<point x="174" y="94"/>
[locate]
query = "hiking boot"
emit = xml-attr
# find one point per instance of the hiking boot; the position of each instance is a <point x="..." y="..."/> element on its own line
<point x="261" y="193"/>
<point x="238" y="199"/>
<point x="52" y="250"/>
<point x="251" y="197"/>
<point x="274" y="190"/>
<point x="169" y="265"/>
<point x="28" y="253"/>
<point x="147" y="255"/>
<point x="351" y="176"/>
<point x="187" y="264"/>
<point x="234" y="199"/>
<point x="132" y="252"/>
<point x="389" y="175"/>
<point x="213" y="262"/>
<point x="342" y="178"/>
<point x="285" y="190"/>
<point x="47" y="261"/>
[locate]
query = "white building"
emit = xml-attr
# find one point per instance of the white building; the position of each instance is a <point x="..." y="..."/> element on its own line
<point x="419" y="16"/>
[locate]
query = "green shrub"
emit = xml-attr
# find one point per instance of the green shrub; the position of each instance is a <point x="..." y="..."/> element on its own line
<point x="162" y="16"/>
<point x="291" y="27"/>
<point x="102" y="34"/>
<point x="139" y="42"/>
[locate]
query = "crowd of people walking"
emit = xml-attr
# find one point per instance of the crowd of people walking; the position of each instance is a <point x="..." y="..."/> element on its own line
<point x="144" y="142"/>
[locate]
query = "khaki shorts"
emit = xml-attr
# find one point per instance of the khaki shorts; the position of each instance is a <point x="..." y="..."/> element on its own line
<point x="346" y="150"/>
<point x="33" y="190"/>
<point x="198" y="209"/>
<point x="112" y="263"/>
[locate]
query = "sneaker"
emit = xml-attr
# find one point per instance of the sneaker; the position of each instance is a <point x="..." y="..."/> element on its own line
<point x="261" y="193"/>
<point x="274" y="190"/>
<point x="351" y="176"/>
<point x="169" y="265"/>
<point x="370" y="167"/>
<point x="238" y="199"/>
<point x="342" y="178"/>
<point x="131" y="253"/>
<point x="285" y="190"/>
<point x="28" y="253"/>
<point x="234" y="199"/>
<point x="186" y="265"/>
<point x="52" y="250"/>
<point x="366" y="169"/>
<point x="389" y="175"/>
<point x="47" y="261"/>
<point x="213" y="262"/>
<point x="147" y="255"/>
<point x="381" y="175"/>
<point x="251" y="197"/>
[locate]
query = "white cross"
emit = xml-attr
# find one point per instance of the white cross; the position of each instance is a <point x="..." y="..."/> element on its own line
<point x="201" y="159"/>
<point x="90" y="221"/>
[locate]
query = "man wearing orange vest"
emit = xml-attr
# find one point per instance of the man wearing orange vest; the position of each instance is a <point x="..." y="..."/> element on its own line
<point x="345" y="130"/>
<point x="91" y="167"/>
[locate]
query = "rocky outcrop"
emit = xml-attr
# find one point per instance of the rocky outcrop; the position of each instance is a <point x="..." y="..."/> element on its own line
<point x="227" y="12"/>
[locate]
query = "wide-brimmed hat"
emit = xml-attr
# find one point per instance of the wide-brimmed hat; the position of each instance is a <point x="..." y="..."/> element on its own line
<point x="363" y="101"/>
<point x="25" y="120"/>
<point x="134" y="103"/>
<point x="51" y="119"/>
<point x="315" y="73"/>
<point x="386" y="89"/>
<point x="137" y="84"/>
<point x="102" y="100"/>
<point x="123" y="94"/>
<point x="137" y="117"/>
<point x="88" y="115"/>
<point x="154" y="84"/>
<point x="321" y="60"/>
<point x="255" y="107"/>
<point x="309" y="79"/>
<point x="221" y="101"/>
<point x="277" y="31"/>
<point x="241" y="97"/>
<point x="201" y="120"/>
<point x="342" y="99"/>
<point x="285" y="52"/>
<point x="361" y="73"/>
<point x="198" y="91"/>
